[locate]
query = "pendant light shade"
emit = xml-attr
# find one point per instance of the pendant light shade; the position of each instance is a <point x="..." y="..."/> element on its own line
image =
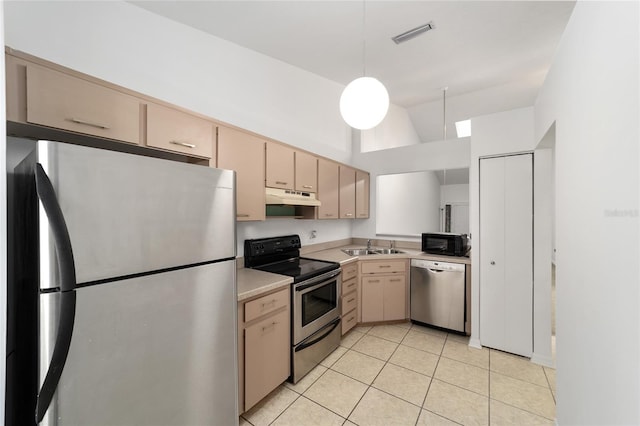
<point x="364" y="103"/>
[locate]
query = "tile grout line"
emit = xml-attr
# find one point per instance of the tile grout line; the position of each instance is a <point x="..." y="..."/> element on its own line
<point x="550" y="388"/>
<point x="489" y="392"/>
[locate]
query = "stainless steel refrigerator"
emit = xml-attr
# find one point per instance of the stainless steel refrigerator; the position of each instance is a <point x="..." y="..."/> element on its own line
<point x="122" y="292"/>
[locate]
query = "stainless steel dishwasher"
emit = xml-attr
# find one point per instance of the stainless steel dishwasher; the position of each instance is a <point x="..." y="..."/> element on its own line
<point x="438" y="293"/>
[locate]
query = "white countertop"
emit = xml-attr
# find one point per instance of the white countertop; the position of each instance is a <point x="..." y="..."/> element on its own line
<point x="252" y="282"/>
<point x="337" y="255"/>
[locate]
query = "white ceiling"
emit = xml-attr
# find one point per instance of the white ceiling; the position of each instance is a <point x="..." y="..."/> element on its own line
<point x="475" y="44"/>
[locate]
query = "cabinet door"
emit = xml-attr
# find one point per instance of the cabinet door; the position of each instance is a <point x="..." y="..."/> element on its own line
<point x="347" y="193"/>
<point x="395" y="296"/>
<point x="372" y="299"/>
<point x="174" y="130"/>
<point x="362" y="195"/>
<point x="306" y="172"/>
<point x="506" y="244"/>
<point x="244" y="153"/>
<point x="328" y="189"/>
<point x="58" y="100"/>
<point x="280" y="166"/>
<point x="266" y="350"/>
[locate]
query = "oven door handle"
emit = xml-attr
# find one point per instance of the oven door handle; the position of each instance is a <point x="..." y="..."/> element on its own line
<point x="303" y="346"/>
<point x="320" y="280"/>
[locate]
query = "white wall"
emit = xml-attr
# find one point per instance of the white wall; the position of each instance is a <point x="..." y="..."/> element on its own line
<point x="458" y="193"/>
<point x="449" y="154"/>
<point x="395" y="130"/>
<point x="131" y="47"/>
<point x="407" y="204"/>
<point x="592" y="94"/>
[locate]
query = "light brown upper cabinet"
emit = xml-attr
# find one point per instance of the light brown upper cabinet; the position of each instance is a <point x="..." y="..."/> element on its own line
<point x="306" y="172"/>
<point x="174" y="130"/>
<point x="58" y="100"/>
<point x="244" y="153"/>
<point x="280" y="166"/>
<point x="328" y="189"/>
<point x="362" y="195"/>
<point x="347" y="192"/>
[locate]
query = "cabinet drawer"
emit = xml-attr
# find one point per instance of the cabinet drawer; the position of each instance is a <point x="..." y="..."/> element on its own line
<point x="349" y="271"/>
<point x="269" y="303"/>
<point x="175" y="130"/>
<point x="349" y="302"/>
<point x="348" y="321"/>
<point x="383" y="267"/>
<point x="70" y="103"/>
<point x="349" y="286"/>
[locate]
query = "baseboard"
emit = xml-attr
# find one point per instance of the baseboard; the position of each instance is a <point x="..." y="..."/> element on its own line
<point x="544" y="360"/>
<point x="475" y="343"/>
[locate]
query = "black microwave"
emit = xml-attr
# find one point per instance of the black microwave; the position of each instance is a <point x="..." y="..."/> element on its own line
<point x="444" y="243"/>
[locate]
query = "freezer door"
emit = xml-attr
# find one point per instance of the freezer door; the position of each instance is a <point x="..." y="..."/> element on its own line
<point x="156" y="350"/>
<point x="128" y="214"/>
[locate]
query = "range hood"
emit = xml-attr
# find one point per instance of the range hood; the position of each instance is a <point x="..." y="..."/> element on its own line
<point x="287" y="197"/>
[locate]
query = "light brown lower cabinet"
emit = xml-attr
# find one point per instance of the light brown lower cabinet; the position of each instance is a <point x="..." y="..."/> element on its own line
<point x="264" y="345"/>
<point x="349" y="300"/>
<point x="383" y="290"/>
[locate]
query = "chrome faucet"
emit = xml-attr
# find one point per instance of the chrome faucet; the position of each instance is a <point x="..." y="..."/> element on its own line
<point x="392" y="244"/>
<point x="368" y="244"/>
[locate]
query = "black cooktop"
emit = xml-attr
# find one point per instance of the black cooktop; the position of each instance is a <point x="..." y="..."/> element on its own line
<point x="281" y="255"/>
<point x="299" y="268"/>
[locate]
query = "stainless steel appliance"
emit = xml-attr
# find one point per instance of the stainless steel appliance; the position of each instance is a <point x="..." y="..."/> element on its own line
<point x="315" y="298"/>
<point x="438" y="294"/>
<point x="122" y="290"/>
<point x="445" y="243"/>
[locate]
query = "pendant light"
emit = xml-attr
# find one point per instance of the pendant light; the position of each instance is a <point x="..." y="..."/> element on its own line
<point x="365" y="101"/>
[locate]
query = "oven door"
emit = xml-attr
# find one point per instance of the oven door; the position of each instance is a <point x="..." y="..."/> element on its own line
<point x="316" y="303"/>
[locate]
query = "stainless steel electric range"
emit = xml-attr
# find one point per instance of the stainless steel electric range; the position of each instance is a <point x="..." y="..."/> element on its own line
<point x="315" y="298"/>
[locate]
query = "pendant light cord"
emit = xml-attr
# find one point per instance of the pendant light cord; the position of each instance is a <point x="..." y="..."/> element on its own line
<point x="364" y="39"/>
<point x="444" y="113"/>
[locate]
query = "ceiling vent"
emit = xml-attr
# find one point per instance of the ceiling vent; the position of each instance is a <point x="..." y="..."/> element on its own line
<point x="406" y="36"/>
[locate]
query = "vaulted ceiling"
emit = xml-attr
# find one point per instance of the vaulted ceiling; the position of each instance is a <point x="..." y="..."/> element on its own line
<point x="475" y="45"/>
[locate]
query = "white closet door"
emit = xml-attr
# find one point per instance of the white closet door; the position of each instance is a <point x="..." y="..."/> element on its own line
<point x="506" y="259"/>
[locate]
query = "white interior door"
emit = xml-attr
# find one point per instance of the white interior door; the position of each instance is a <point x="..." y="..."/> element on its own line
<point x="506" y="260"/>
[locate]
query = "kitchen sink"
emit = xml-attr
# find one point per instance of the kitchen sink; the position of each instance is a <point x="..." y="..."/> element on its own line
<point x="360" y="252"/>
<point x="364" y="251"/>
<point x="389" y="251"/>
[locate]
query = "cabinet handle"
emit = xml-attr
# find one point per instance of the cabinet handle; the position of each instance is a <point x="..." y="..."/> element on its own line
<point x="242" y="215"/>
<point x="351" y="285"/>
<point x="187" y="145"/>
<point x="328" y="214"/>
<point x="351" y="319"/>
<point x="350" y="300"/>
<point x="348" y="214"/>
<point x="384" y="266"/>
<point x="373" y="281"/>
<point x="272" y="302"/>
<point x="269" y="326"/>
<point x="307" y="186"/>
<point x="280" y="183"/>
<point x="395" y="281"/>
<point x="89" y="123"/>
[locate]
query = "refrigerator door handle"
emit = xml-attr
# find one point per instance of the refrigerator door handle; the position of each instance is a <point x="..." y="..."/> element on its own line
<point x="66" y="266"/>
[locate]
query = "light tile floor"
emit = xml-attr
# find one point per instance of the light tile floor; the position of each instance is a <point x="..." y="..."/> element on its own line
<point x="406" y="374"/>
